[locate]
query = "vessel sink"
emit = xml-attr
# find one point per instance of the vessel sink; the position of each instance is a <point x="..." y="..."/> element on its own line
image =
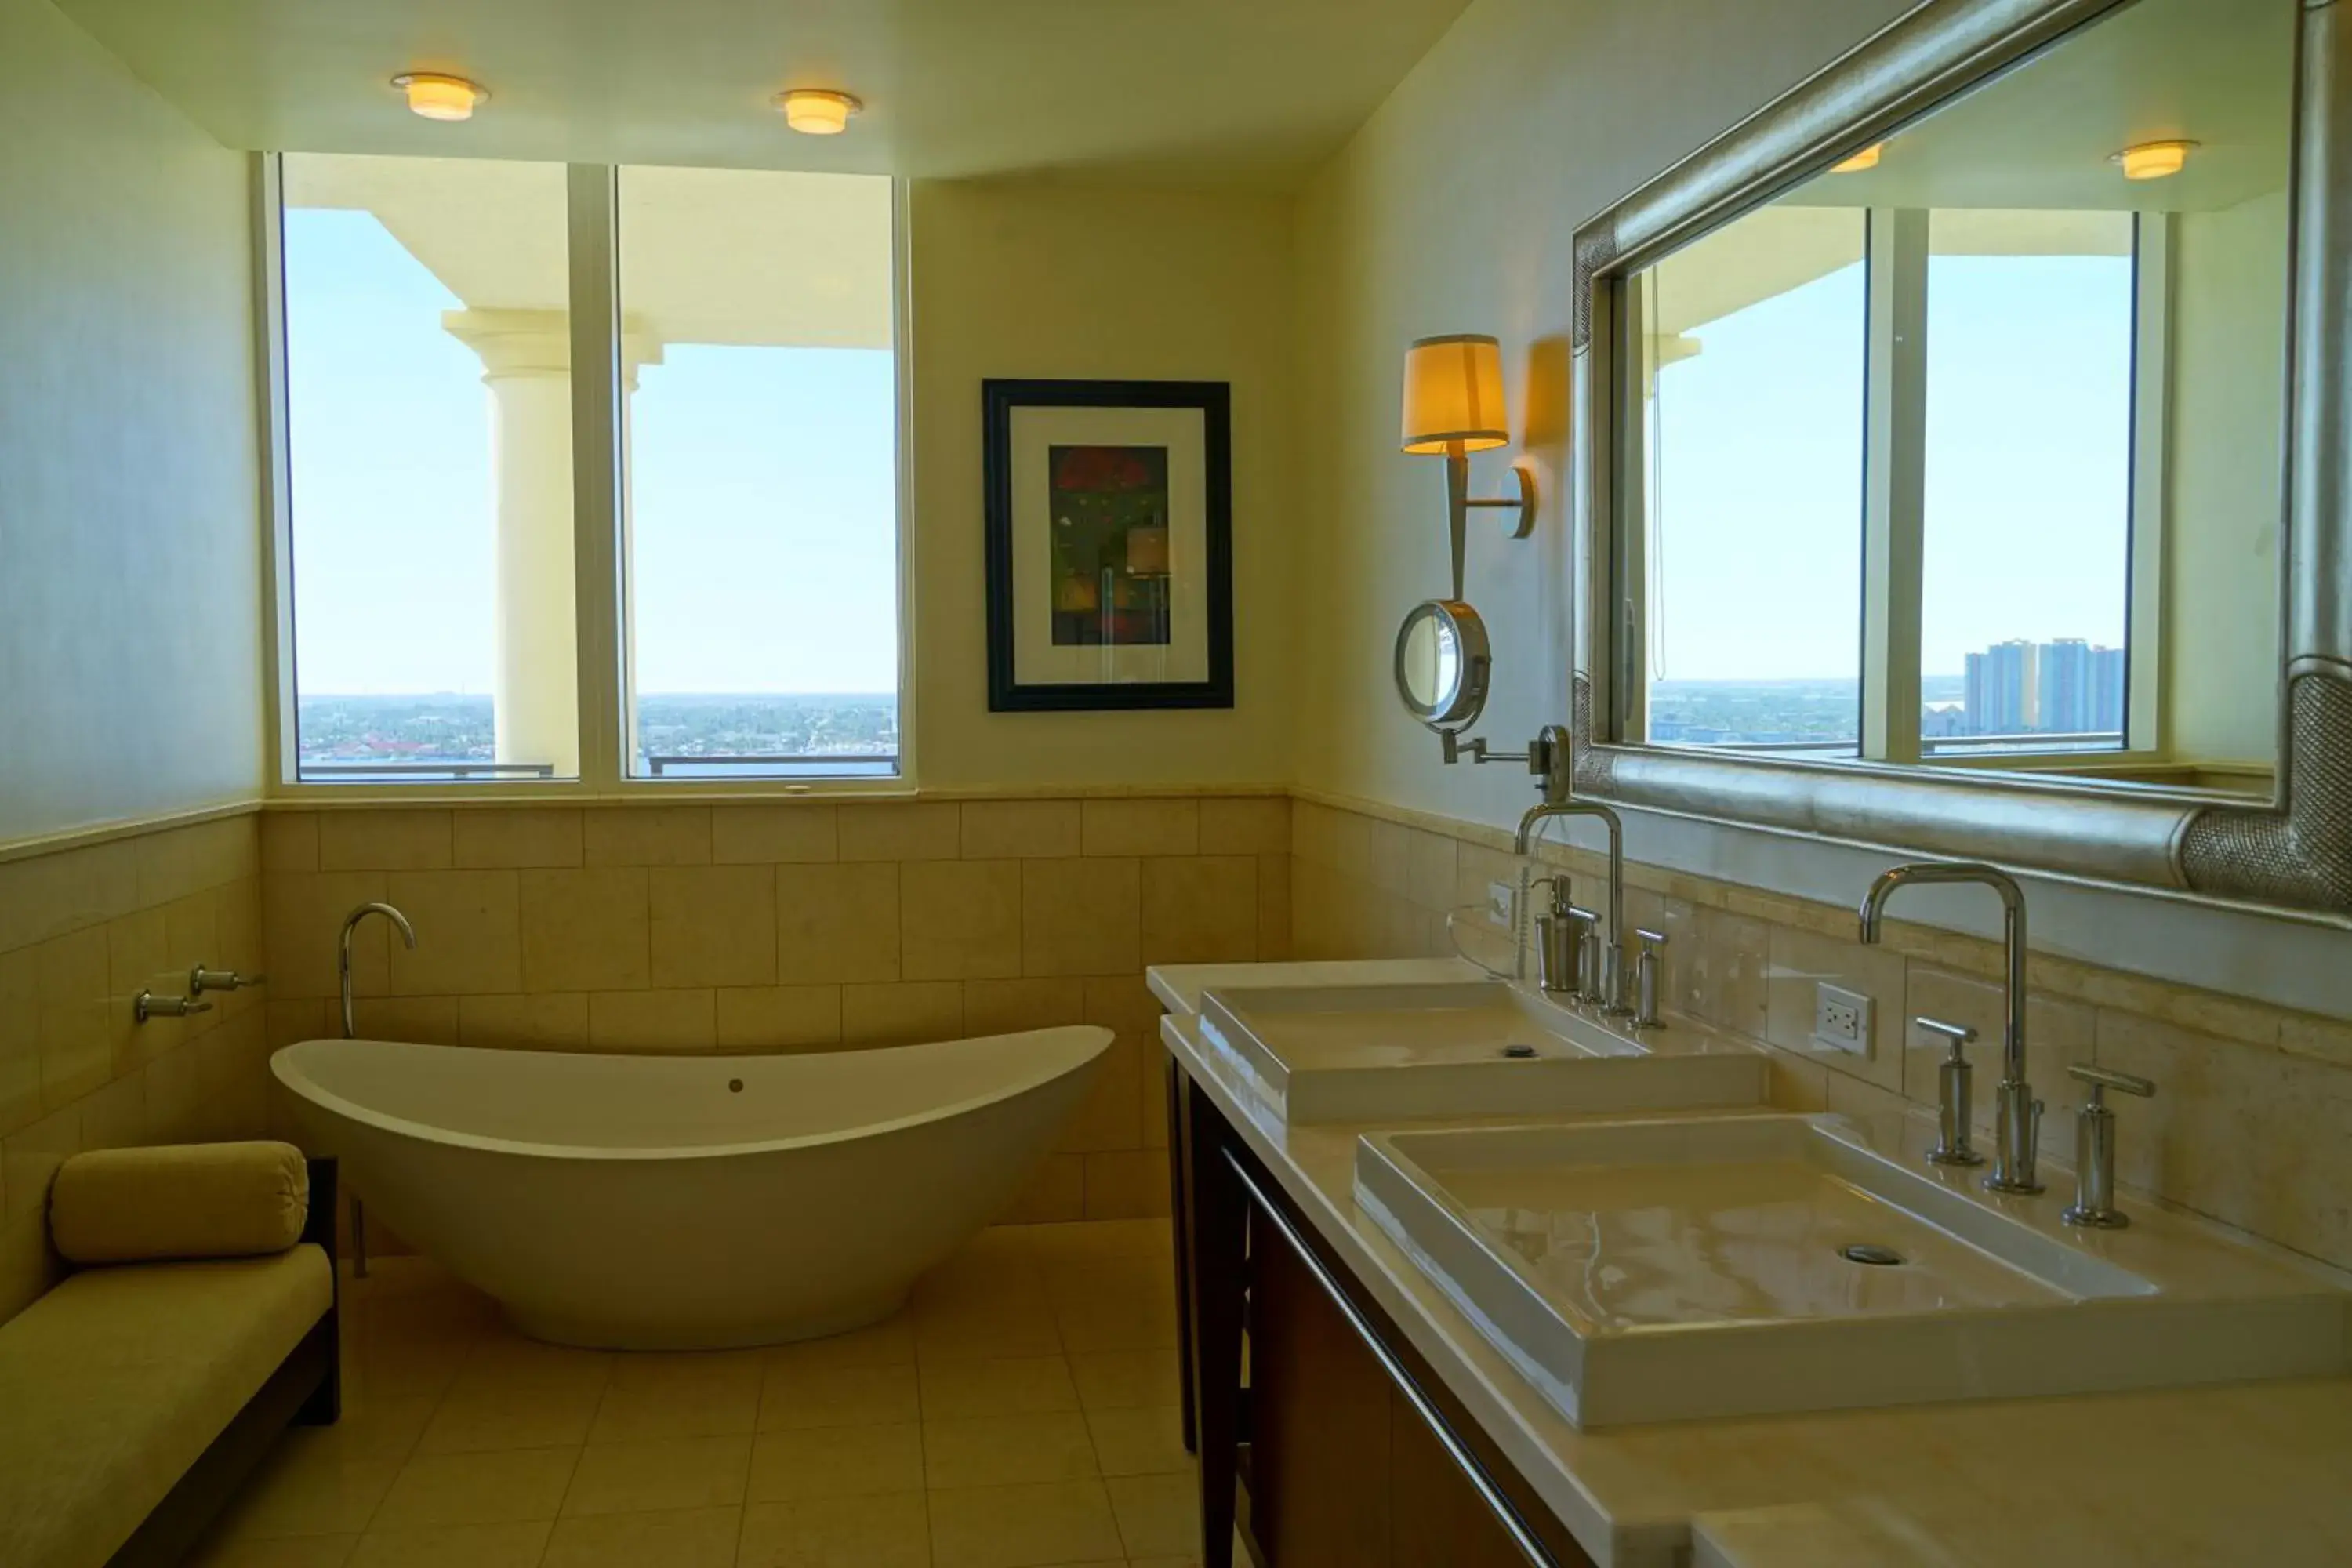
<point x="1709" y="1266"/>
<point x="1385" y="1053"/>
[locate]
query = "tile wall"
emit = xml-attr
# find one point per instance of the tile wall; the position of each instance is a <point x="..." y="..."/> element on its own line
<point x="2247" y="1125"/>
<point x="790" y="926"/>
<point x="82" y="931"/>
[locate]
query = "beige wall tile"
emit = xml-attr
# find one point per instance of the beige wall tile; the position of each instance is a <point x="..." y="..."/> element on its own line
<point x="546" y="1020"/>
<point x="512" y="836"/>
<point x="1081" y="917"/>
<point x="115" y="1116"/>
<point x="1431" y="868"/>
<point x="1020" y="829"/>
<point x="779" y="1018"/>
<point x="49" y="895"/>
<point x="469" y="932"/>
<point x="1127" y="1184"/>
<point x="1245" y="825"/>
<point x="20" y="1039"/>
<point x="767" y="834"/>
<point x="1390" y="850"/>
<point x="589" y="930"/>
<point x="837" y="922"/>
<point x="170" y="1094"/>
<point x="904" y="1013"/>
<point x="138" y="956"/>
<point x="288" y="1020"/>
<point x="1011" y="1006"/>
<point x="398" y="839"/>
<point x="77" y="1014"/>
<point x="1056" y="1192"/>
<point x="647" y="836"/>
<point x="652" y="1020"/>
<point x="1110" y="1117"/>
<point x="236" y="916"/>
<point x="421" y="1020"/>
<point x="302" y="913"/>
<point x="1274" y="922"/>
<point x="1199" y="908"/>
<point x="289" y="840"/>
<point x="173" y="862"/>
<point x="1136" y="828"/>
<point x="2321" y="1039"/>
<point x="901" y="830"/>
<point x="1802" y="960"/>
<point x="713" y="925"/>
<point x="960" y="920"/>
<point x="31" y="1156"/>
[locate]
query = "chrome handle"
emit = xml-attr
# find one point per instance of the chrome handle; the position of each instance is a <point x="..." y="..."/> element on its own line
<point x="1957" y="1036"/>
<point x="1648" y="960"/>
<point x="2107" y="1077"/>
<point x="147" y="1005"/>
<point x="2094" y="1149"/>
<point x="201" y="980"/>
<point x="1955" y="1083"/>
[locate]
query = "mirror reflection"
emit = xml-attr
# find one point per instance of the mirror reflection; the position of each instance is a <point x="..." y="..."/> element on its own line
<point x="1441" y="664"/>
<point x="1967" y="451"/>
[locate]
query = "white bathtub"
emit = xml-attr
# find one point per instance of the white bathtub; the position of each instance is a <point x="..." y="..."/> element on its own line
<point x="689" y="1202"/>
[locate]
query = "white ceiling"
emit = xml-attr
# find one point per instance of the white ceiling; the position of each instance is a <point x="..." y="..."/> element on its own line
<point x="1247" y="92"/>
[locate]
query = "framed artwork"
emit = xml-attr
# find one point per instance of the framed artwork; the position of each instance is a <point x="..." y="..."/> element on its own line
<point x="1109" y="513"/>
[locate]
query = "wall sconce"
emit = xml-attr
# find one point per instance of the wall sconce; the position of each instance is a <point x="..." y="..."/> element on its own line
<point x="1454" y="406"/>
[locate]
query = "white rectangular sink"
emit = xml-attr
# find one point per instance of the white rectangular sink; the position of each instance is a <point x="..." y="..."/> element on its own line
<point x="1386" y="1053"/>
<point x="1655" y="1270"/>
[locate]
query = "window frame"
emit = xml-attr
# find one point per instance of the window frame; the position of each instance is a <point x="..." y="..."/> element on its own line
<point x="598" y="481"/>
<point x="1894" y="517"/>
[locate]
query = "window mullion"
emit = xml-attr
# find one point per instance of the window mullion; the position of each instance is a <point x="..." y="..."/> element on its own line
<point x="596" y="447"/>
<point x="2147" y="715"/>
<point x="1896" y="415"/>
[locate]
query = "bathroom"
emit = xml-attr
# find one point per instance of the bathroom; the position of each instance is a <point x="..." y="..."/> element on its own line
<point x="1279" y="206"/>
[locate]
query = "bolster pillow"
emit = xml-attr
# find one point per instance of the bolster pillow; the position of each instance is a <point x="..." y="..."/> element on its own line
<point x="183" y="1200"/>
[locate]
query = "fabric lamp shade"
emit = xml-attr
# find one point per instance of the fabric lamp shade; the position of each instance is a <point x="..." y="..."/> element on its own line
<point x="1453" y="394"/>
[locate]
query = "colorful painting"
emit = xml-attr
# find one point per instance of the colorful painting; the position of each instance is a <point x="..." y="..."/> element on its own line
<point x="1109" y="544"/>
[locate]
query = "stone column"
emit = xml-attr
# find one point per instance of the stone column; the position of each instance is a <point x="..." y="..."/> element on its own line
<point x="527" y="364"/>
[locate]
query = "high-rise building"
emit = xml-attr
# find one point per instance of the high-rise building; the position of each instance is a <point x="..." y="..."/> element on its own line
<point x="2107" y="673"/>
<point x="1998" y="693"/>
<point x="2063" y="690"/>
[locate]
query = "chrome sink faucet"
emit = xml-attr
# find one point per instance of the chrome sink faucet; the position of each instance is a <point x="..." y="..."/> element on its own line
<point x="343" y="950"/>
<point x="2017" y="1115"/>
<point x="1610" y="992"/>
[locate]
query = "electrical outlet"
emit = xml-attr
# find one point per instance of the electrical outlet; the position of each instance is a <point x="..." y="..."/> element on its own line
<point x="1502" y="903"/>
<point x="1840" y="1019"/>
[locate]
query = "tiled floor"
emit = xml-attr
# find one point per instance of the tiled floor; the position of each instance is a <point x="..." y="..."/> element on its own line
<point x="1020" y="1413"/>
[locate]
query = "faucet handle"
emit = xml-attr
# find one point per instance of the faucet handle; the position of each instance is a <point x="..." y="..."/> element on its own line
<point x="1958" y="1036"/>
<point x="202" y="979"/>
<point x="2104" y="1078"/>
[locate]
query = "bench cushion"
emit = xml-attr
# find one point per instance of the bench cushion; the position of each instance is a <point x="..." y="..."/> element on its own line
<point x="112" y="1386"/>
<point x="179" y="1199"/>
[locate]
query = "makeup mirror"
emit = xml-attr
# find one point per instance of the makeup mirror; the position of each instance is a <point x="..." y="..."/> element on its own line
<point x="1443" y="663"/>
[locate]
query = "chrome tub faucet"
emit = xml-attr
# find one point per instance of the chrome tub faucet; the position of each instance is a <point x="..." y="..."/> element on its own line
<point x="2017" y="1115"/>
<point x="343" y="950"/>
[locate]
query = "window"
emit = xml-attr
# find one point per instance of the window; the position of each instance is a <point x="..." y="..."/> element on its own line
<point x="763" y="526"/>
<point x="435" y="530"/>
<point x="429" y="440"/>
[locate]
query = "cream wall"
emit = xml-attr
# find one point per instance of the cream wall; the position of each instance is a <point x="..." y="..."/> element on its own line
<point x="1048" y="279"/>
<point x="130" y="562"/>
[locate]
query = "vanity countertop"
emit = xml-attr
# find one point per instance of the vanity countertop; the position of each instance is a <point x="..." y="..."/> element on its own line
<point x="2223" y="1475"/>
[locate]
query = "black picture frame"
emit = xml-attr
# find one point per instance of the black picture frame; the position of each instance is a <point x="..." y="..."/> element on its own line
<point x="999" y="399"/>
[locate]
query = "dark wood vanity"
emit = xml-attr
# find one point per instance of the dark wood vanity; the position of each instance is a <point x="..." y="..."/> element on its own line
<point x="1319" y="1429"/>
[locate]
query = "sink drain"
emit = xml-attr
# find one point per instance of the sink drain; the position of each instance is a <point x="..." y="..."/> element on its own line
<point x="1518" y="1053"/>
<point x="1871" y="1253"/>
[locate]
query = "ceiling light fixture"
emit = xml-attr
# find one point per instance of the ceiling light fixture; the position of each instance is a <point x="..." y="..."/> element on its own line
<point x="1865" y="159"/>
<point x="436" y="96"/>
<point x="2153" y="160"/>
<point x="817" y="111"/>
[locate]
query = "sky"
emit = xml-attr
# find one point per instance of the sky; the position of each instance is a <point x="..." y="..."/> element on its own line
<point x="763" y="483"/>
<point x="1758" y="471"/>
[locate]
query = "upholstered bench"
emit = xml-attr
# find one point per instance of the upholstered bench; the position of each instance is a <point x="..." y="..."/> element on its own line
<point x="198" y="1320"/>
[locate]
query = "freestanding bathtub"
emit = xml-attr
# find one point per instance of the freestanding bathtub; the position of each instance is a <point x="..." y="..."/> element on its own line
<point x="643" y="1203"/>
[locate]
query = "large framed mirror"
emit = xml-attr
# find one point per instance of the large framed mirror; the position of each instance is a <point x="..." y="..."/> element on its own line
<point x="1961" y="453"/>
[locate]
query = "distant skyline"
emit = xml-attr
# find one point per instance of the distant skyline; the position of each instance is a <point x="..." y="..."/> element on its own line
<point x="763" y="487"/>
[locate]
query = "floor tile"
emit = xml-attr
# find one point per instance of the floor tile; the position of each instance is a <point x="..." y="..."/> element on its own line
<point x="1158" y="1515"/>
<point x="668" y="1474"/>
<point x="836" y="1461"/>
<point x="886" y="1531"/>
<point x="1023" y="1526"/>
<point x="507" y="1363"/>
<point x="1143" y="1442"/>
<point x="304" y="1489"/>
<point x="693" y="1538"/>
<point x="1124" y="1380"/>
<point x="1003" y="1450"/>
<point x="688" y="1396"/>
<point x="378" y="1428"/>
<point x="477" y="1488"/>
<point x="1118" y="1320"/>
<point x="995" y="1327"/>
<point x="293" y="1552"/>
<point x="516" y="1545"/>
<point x="958" y="1389"/>
<point x="804" y="1396"/>
<point x="890" y="1343"/>
<point x="480" y="1421"/>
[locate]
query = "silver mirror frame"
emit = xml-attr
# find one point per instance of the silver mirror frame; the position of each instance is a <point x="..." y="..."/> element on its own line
<point x="2291" y="855"/>
<point x="1468" y="699"/>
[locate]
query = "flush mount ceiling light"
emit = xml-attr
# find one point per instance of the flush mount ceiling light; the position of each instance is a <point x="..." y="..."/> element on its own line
<point x="817" y="111"/>
<point x="2153" y="160"/>
<point x="1865" y="159"/>
<point x="436" y="96"/>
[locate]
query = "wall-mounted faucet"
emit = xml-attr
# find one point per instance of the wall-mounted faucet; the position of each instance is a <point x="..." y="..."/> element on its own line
<point x="2017" y="1115"/>
<point x="343" y="950"/>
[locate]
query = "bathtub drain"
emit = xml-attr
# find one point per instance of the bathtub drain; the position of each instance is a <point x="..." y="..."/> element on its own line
<point x="734" y="1086"/>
